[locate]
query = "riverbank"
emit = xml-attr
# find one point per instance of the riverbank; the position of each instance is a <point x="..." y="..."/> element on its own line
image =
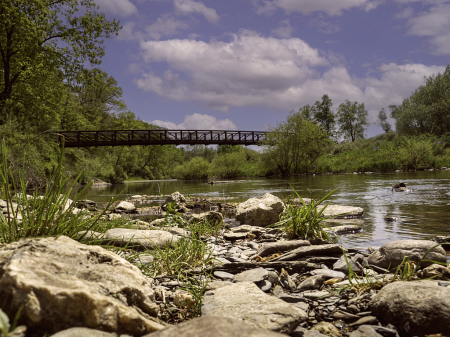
<point x="233" y="274"/>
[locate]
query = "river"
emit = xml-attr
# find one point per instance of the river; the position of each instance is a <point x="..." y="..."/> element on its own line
<point x="423" y="213"/>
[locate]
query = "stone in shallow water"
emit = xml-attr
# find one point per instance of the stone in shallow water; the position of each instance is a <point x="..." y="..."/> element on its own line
<point x="214" y="327"/>
<point x="244" y="300"/>
<point x="62" y="283"/>
<point x="263" y="211"/>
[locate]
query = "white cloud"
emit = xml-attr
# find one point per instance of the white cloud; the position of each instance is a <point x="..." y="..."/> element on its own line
<point x="198" y="122"/>
<point x="190" y="6"/>
<point x="284" y="30"/>
<point x="434" y="23"/>
<point x="331" y="7"/>
<point x="255" y="71"/>
<point x="250" y="70"/>
<point x="323" y="25"/>
<point x="165" y="25"/>
<point x="396" y="82"/>
<point x="120" y="7"/>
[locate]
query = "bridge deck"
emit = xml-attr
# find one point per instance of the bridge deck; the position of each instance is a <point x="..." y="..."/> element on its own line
<point x="158" y="137"/>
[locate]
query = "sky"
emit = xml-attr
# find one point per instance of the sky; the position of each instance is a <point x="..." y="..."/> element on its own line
<point x="245" y="64"/>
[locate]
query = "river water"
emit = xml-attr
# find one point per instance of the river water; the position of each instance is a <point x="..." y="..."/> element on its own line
<point x="422" y="213"/>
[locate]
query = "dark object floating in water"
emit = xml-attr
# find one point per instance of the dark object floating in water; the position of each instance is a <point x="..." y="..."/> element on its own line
<point x="391" y="218"/>
<point x="400" y="187"/>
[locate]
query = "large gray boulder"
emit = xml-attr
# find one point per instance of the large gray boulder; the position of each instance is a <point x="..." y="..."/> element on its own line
<point x="392" y="254"/>
<point x="415" y="308"/>
<point x="246" y="302"/>
<point x="62" y="283"/>
<point x="125" y="207"/>
<point x="211" y="326"/>
<point x="140" y="239"/>
<point x="263" y="211"/>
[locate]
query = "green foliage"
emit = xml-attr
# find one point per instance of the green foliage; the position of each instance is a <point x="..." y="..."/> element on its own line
<point x="382" y="121"/>
<point x="304" y="221"/>
<point x="427" y="110"/>
<point x="294" y="145"/>
<point x="49" y="214"/>
<point x="324" y="116"/>
<point x="196" y="168"/>
<point x="228" y="165"/>
<point x="353" y="120"/>
<point x="196" y="287"/>
<point x="42" y="41"/>
<point x="6" y="329"/>
<point x="384" y="153"/>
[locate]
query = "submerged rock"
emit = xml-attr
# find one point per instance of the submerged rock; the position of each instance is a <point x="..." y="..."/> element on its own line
<point x="263" y="211"/>
<point x="62" y="283"/>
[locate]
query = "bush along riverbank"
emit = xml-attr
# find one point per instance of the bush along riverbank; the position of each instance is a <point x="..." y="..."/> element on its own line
<point x="274" y="270"/>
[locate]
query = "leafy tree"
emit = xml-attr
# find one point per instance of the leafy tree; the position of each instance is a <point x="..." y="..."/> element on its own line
<point x="228" y="164"/>
<point x="382" y="121"/>
<point x="324" y="116"/>
<point x="307" y="112"/>
<point x="353" y="120"/>
<point x="294" y="145"/>
<point x="427" y="110"/>
<point x="40" y="37"/>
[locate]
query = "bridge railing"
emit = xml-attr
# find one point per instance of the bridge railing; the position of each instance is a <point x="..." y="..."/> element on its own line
<point x="159" y="137"/>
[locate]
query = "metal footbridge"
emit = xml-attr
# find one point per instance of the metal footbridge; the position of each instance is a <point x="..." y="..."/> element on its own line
<point x="158" y="137"/>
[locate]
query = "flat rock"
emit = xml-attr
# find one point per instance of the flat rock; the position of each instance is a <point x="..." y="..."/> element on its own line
<point x="62" y="283"/>
<point x="252" y="275"/>
<point x="312" y="283"/>
<point x="214" y="327"/>
<point x="342" y="265"/>
<point x="175" y="197"/>
<point x="344" y="229"/>
<point x="83" y="332"/>
<point x="224" y="275"/>
<point x="392" y="254"/>
<point x="314" y="295"/>
<point x="329" y="273"/>
<point x="248" y="229"/>
<point x="415" y="308"/>
<point x="338" y="211"/>
<point x="263" y="211"/>
<point x="305" y="251"/>
<point x="217" y="284"/>
<point x="245" y="301"/>
<point x="270" y="248"/>
<point x="437" y="271"/>
<point x="144" y="239"/>
<point x="235" y="236"/>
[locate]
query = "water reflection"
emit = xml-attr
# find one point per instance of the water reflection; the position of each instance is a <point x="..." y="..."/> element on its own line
<point x="423" y="212"/>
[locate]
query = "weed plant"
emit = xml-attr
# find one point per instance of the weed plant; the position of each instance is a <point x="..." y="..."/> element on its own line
<point x="304" y="221"/>
<point x="196" y="287"/>
<point x="6" y="329"/>
<point x="53" y="213"/>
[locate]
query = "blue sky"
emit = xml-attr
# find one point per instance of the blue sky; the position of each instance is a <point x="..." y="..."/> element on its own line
<point x="244" y="64"/>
